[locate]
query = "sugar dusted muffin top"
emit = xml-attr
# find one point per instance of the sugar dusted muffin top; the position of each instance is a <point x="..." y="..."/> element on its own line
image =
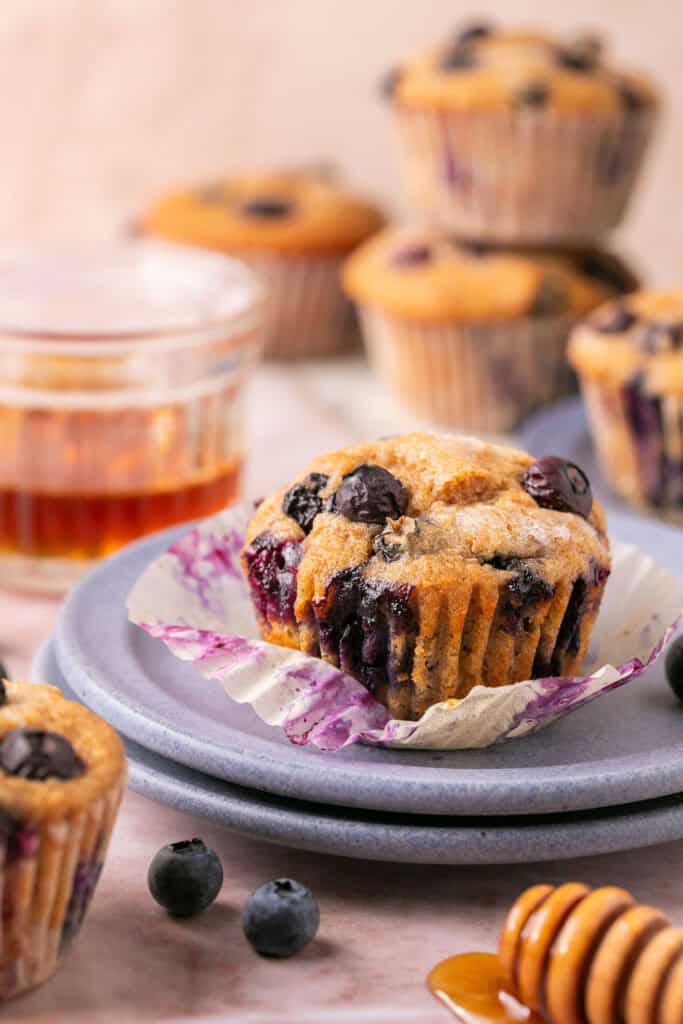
<point x="638" y="336"/>
<point x="427" y="275"/>
<point x="460" y="507"/>
<point x="285" y="211"/>
<point x="90" y="761"/>
<point x="483" y="68"/>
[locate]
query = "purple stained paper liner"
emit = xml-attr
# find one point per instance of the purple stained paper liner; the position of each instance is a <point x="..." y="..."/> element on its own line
<point x="195" y="598"/>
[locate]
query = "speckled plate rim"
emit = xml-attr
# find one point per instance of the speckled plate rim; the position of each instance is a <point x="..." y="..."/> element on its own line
<point x="382" y="783"/>
<point x="397" y="838"/>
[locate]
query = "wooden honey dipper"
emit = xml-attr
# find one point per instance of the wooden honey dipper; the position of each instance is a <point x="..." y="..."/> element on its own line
<point x="572" y="955"/>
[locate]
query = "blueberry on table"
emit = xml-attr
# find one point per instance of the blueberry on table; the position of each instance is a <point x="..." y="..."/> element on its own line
<point x="302" y="502"/>
<point x="281" y="918"/>
<point x="557" y="484"/>
<point x="370" y="494"/>
<point x="674" y="667"/>
<point x="185" y="877"/>
<point x="38" y="755"/>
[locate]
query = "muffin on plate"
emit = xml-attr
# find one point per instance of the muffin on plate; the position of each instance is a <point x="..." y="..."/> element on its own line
<point x="425" y="565"/>
<point x="62" y="776"/>
<point x="629" y="358"/>
<point x="517" y="136"/>
<point x="469" y="335"/>
<point x="294" y="228"/>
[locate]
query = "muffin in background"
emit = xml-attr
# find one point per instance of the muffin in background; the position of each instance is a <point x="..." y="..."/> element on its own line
<point x="469" y="335"/>
<point x="294" y="229"/>
<point x="520" y="137"/>
<point x="426" y="565"/>
<point x="629" y="359"/>
<point x="62" y="776"/>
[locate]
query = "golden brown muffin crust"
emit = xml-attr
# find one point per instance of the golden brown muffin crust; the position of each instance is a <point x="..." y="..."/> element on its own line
<point x="43" y="707"/>
<point x="640" y="336"/>
<point x="426" y="275"/>
<point x="312" y="215"/>
<point x="482" y="69"/>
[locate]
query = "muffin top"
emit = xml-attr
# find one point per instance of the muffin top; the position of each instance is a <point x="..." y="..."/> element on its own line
<point x="483" y="68"/>
<point x="283" y="211"/>
<point x="640" y="335"/>
<point x="56" y="757"/>
<point x="422" y="273"/>
<point x="425" y="509"/>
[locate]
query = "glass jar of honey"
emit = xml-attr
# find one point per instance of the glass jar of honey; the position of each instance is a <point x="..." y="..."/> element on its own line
<point x="122" y="372"/>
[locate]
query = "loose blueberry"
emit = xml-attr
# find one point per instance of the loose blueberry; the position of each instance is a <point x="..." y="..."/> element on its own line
<point x="281" y="918"/>
<point x="370" y="494"/>
<point x="302" y="502"/>
<point x="535" y="94"/>
<point x="674" y="667"/>
<point x="185" y="877"/>
<point x="555" y="483"/>
<point x="412" y="256"/>
<point x="267" y="208"/>
<point x="38" y="755"/>
<point x="616" y="321"/>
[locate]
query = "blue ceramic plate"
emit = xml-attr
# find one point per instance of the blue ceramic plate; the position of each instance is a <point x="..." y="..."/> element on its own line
<point x="394" y="837"/>
<point x="624" y="748"/>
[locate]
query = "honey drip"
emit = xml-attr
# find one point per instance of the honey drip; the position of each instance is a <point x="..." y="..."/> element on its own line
<point x="471" y="986"/>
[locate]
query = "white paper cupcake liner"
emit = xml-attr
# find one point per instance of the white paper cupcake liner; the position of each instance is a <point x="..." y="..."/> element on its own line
<point x="195" y="598"/>
<point x="478" y="377"/>
<point x="48" y="874"/>
<point x="306" y="312"/>
<point x="523" y="176"/>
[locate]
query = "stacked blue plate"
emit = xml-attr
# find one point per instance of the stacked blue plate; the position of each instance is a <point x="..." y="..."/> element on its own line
<point x="606" y="778"/>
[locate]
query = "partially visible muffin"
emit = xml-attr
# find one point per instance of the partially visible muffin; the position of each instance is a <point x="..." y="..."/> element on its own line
<point x="62" y="776"/>
<point x="629" y="358"/>
<point x="470" y="335"/>
<point x="519" y="136"/>
<point x="293" y="228"/>
<point x="425" y="565"/>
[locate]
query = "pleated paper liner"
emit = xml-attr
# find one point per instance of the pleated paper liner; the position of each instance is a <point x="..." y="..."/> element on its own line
<point x="195" y="598"/>
<point x="525" y="176"/>
<point x="48" y="874"/>
<point x="479" y="377"/>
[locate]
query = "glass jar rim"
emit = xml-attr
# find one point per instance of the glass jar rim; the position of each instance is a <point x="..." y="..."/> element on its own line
<point x="102" y="298"/>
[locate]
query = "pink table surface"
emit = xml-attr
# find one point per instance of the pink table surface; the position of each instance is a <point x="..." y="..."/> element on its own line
<point x="383" y="926"/>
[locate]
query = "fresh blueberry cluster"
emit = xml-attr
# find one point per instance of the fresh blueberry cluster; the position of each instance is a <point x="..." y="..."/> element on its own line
<point x="280" y="919"/>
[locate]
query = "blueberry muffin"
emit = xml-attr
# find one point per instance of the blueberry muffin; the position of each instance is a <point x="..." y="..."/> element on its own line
<point x="517" y="136"/>
<point x="425" y="565"/>
<point x="629" y="358"/>
<point x="294" y="229"/>
<point x="62" y="775"/>
<point x="470" y="335"/>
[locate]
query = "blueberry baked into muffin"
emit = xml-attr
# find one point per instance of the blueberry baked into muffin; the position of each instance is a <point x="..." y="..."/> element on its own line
<point x="629" y="358"/>
<point x="293" y="228"/>
<point x="425" y="565"/>
<point x="518" y="136"/>
<point x="471" y="335"/>
<point x="62" y="775"/>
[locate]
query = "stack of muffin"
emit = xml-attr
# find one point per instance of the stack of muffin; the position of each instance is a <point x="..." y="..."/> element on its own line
<point x="520" y="153"/>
